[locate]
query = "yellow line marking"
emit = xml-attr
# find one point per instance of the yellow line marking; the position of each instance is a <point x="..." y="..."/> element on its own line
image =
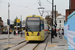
<point x="8" y="45"/>
<point x="52" y="45"/>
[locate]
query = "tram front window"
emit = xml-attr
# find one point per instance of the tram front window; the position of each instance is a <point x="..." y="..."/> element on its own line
<point x="33" y="26"/>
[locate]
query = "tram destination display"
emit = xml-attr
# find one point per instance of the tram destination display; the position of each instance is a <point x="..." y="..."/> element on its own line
<point x="33" y="18"/>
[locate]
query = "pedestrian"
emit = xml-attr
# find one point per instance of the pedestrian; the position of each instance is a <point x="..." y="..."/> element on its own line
<point x="10" y="31"/>
<point x="52" y="34"/>
<point x="57" y="31"/>
<point x="21" y="33"/>
<point x="60" y="34"/>
<point x="18" y="31"/>
<point x="14" y="32"/>
<point x="62" y="31"/>
<point x="6" y="31"/>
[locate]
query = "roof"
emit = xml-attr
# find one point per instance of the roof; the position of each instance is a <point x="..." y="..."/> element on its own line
<point x="61" y="16"/>
<point x="35" y="16"/>
<point x="71" y="15"/>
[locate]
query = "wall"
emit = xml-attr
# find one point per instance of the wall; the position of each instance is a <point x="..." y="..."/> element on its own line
<point x="72" y="8"/>
<point x="65" y="30"/>
<point x="71" y="31"/>
<point x="72" y="4"/>
<point x="67" y="12"/>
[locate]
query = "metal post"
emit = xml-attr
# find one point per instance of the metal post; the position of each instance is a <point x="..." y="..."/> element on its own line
<point x="52" y="20"/>
<point x="41" y="12"/>
<point x="55" y="19"/>
<point x="39" y="3"/>
<point x="21" y="25"/>
<point x="16" y="26"/>
<point x="8" y="24"/>
<point x="69" y="6"/>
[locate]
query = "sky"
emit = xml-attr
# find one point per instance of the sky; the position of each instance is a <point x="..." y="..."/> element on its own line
<point x="29" y="7"/>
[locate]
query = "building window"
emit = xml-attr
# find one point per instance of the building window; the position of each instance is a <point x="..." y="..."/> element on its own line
<point x="60" y="25"/>
<point x="59" y="21"/>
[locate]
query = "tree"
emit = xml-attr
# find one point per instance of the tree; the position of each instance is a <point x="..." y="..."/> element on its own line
<point x="48" y="20"/>
<point x="16" y="22"/>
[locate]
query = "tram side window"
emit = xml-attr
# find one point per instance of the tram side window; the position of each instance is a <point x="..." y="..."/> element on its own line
<point x="42" y="25"/>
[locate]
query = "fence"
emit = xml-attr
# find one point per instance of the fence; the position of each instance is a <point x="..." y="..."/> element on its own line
<point x="69" y="31"/>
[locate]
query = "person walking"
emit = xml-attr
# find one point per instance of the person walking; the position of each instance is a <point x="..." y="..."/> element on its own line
<point x="57" y="32"/>
<point x="15" y="32"/>
<point x="60" y="33"/>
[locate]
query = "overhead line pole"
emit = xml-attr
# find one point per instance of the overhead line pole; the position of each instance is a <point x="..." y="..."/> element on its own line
<point x="8" y="24"/>
<point x="55" y="19"/>
<point x="52" y="20"/>
<point x="21" y="25"/>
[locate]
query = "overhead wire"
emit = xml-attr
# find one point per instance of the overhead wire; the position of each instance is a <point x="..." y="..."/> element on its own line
<point x="49" y="1"/>
<point x="19" y="5"/>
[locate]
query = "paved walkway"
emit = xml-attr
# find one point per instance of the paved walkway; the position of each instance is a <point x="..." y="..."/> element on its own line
<point x="13" y="41"/>
<point x="5" y="36"/>
<point x="57" y="44"/>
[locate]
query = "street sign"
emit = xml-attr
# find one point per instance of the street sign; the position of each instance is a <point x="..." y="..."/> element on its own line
<point x="8" y="21"/>
<point x="18" y="20"/>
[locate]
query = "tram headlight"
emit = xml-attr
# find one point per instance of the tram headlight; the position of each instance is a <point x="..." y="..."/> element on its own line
<point x="38" y="34"/>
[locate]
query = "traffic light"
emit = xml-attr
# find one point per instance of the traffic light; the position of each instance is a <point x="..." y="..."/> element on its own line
<point x="8" y="21"/>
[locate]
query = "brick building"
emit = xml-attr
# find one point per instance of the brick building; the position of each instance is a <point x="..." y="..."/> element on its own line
<point x="49" y="20"/>
<point x="72" y="8"/>
<point x="1" y="25"/>
<point x="57" y="14"/>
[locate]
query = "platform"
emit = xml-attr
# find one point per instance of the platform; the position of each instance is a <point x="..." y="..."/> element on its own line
<point x="57" y="44"/>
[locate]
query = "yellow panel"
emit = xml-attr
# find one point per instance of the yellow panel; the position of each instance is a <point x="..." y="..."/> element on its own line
<point x="18" y="20"/>
<point x="33" y="36"/>
<point x="36" y="16"/>
<point x="43" y="34"/>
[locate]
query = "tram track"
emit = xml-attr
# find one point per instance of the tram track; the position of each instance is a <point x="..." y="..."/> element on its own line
<point x="19" y="45"/>
<point x="35" y="46"/>
<point x="42" y="46"/>
<point x="26" y="45"/>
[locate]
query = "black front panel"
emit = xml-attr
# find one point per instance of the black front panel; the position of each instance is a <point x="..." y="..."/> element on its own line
<point x="33" y="24"/>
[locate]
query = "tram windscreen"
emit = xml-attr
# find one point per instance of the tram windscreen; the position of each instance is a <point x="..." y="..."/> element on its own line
<point x="33" y="25"/>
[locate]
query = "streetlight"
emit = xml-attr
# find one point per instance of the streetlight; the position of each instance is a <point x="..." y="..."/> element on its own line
<point x="47" y="12"/>
<point x="52" y="18"/>
<point x="21" y="25"/>
<point x="55" y="20"/>
<point x="41" y="10"/>
<point x="8" y="23"/>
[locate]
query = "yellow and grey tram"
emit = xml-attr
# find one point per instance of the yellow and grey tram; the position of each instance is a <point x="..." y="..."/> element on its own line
<point x="34" y="28"/>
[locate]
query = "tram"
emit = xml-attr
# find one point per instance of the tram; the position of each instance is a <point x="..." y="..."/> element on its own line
<point x="34" y="28"/>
